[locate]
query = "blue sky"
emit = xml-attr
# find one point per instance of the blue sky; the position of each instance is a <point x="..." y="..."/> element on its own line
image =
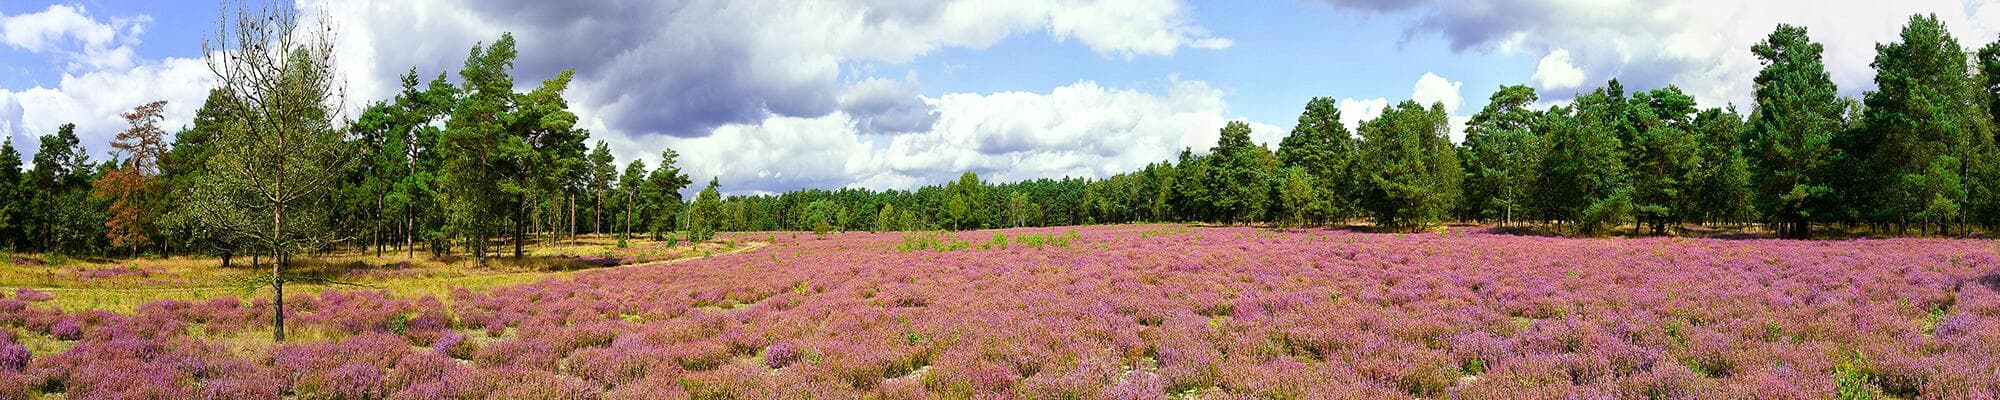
<point x="772" y="95"/>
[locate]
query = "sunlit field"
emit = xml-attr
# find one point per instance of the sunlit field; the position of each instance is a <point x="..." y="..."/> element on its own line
<point x="1129" y="312"/>
<point x="124" y="284"/>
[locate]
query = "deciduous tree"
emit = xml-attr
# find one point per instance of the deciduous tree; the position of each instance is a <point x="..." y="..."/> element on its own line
<point x="271" y="176"/>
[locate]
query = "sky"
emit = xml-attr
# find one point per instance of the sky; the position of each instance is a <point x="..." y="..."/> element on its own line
<point x="774" y="95"/>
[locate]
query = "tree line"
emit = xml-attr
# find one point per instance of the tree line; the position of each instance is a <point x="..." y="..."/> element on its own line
<point x="1916" y="155"/>
<point x="459" y="168"/>
<point x="265" y="170"/>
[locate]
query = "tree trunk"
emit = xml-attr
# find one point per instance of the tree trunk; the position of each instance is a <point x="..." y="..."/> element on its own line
<point x="628" y="215"/>
<point x="277" y="302"/>
<point x="278" y="266"/>
<point x="572" y="219"/>
<point x="520" y="223"/>
<point x="410" y="230"/>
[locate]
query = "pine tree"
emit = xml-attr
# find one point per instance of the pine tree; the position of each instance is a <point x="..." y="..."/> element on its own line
<point x="706" y="213"/>
<point x="1501" y="154"/>
<point x="1412" y="173"/>
<point x="1797" y="114"/>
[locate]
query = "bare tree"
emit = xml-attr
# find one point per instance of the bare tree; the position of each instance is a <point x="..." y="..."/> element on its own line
<point x="279" y="153"/>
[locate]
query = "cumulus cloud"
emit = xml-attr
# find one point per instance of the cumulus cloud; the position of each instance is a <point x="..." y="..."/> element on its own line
<point x="886" y="106"/>
<point x="1374" y="5"/>
<point x="1354" y="111"/>
<point x="1080" y="130"/>
<point x="1556" y="71"/>
<point x="70" y="32"/>
<point x="1129" y="28"/>
<point x="94" y="101"/>
<point x="684" y="68"/>
<point x="1432" y="88"/>
<point x="100" y="80"/>
<point x="765" y="93"/>
<point x="1700" y="45"/>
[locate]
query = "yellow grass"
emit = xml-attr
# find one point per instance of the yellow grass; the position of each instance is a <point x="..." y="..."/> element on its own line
<point x="122" y="285"/>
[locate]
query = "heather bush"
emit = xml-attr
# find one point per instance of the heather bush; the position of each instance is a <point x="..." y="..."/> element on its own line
<point x="531" y="384"/>
<point x="1144" y="313"/>
<point x="31" y="295"/>
<point x="66" y="329"/>
<point x="780" y="355"/>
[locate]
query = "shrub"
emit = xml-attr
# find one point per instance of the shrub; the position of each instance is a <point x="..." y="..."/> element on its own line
<point x="31" y="295"/>
<point x="67" y="329"/>
<point x="780" y="355"/>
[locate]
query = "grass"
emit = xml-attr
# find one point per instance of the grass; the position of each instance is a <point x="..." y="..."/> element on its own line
<point x="122" y="285"/>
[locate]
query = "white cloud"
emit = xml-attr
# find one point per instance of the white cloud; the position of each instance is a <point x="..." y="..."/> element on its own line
<point x="883" y="105"/>
<point x="1700" y="45"/>
<point x="1354" y="111"/>
<point x="71" y="33"/>
<point x="101" y="78"/>
<point x="685" y="68"/>
<point x="1432" y="88"/>
<point x="1556" y="71"/>
<point x="1082" y="130"/>
<point x="1127" y="28"/>
<point x="1458" y="127"/>
<point x="95" y="100"/>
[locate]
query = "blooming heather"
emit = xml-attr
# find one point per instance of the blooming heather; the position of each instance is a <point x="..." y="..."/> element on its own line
<point x="1125" y="312"/>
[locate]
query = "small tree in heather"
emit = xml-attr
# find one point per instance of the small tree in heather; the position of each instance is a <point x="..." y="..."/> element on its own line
<point x="1297" y="195"/>
<point x="276" y="161"/>
<point x="705" y="214"/>
<point x="962" y="202"/>
<point x="885" y="219"/>
<point x="662" y="192"/>
<point x="821" y="216"/>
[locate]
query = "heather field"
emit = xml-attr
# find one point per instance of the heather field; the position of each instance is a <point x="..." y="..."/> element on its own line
<point x="1124" y="312"/>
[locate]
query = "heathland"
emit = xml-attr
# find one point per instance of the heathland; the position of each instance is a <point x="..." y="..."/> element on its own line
<point x="1134" y="311"/>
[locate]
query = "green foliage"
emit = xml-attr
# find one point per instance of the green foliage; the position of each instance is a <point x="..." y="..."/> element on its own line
<point x="823" y="215"/>
<point x="1585" y="165"/>
<point x="933" y="240"/>
<point x="1413" y="174"/>
<point x="886" y="221"/>
<point x="662" y="192"/>
<point x="1298" y="196"/>
<point x="1021" y="211"/>
<point x="1723" y="180"/>
<point x="450" y="166"/>
<point x="1236" y="188"/>
<point x="999" y="242"/>
<point x="1502" y="154"/>
<point x="629" y="183"/>
<point x="1792" y="130"/>
<point x="705" y="214"/>
<point x="1040" y="241"/>
<point x="1922" y="123"/>
<point x="1665" y="157"/>
<point x="963" y="202"/>
<point x="1322" y="146"/>
<point x="480" y="154"/>
<point x="1853" y="379"/>
<point x="1610" y="211"/>
<point x="13" y="200"/>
